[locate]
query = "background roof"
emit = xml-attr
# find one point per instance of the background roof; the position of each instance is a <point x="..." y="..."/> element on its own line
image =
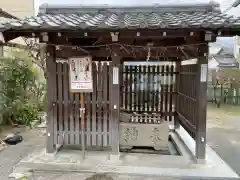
<point x="123" y="2"/>
<point x="199" y="16"/>
<point x="223" y="44"/>
<point x="5" y="14"/>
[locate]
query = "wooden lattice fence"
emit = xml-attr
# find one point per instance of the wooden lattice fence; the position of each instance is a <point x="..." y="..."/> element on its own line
<point x="148" y="92"/>
<point x="67" y="128"/>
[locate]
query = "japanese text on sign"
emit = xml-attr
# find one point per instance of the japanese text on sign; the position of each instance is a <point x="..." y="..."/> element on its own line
<point x="80" y="72"/>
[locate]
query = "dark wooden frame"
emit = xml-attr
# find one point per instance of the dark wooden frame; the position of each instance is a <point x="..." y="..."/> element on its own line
<point x="103" y="114"/>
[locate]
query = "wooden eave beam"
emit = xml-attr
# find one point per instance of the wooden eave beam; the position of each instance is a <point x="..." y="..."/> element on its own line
<point x="128" y="33"/>
<point x="141" y="53"/>
<point x="133" y="33"/>
<point x="130" y="41"/>
<point x="127" y="40"/>
<point x="157" y="33"/>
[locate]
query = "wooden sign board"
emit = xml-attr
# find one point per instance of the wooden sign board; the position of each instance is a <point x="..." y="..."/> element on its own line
<point x="80" y="73"/>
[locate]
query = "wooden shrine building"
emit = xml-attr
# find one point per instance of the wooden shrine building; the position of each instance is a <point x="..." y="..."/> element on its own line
<point x="112" y="36"/>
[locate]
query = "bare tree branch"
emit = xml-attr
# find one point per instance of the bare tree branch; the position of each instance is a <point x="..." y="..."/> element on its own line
<point x="33" y="49"/>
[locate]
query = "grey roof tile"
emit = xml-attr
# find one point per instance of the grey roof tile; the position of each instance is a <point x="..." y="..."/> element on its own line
<point x="108" y="19"/>
<point x="6" y="14"/>
<point x="226" y="60"/>
<point x="226" y="44"/>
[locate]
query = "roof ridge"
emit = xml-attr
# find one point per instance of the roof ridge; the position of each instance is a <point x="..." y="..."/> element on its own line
<point x="203" y="7"/>
<point x="110" y="20"/>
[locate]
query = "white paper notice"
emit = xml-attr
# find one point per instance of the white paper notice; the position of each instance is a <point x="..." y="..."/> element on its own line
<point x="80" y="72"/>
<point x="115" y="75"/>
<point x="204" y="71"/>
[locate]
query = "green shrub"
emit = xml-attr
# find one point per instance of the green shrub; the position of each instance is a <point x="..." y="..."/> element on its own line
<point x="21" y="93"/>
<point x="26" y="114"/>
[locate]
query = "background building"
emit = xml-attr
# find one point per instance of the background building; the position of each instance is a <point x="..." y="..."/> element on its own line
<point x="18" y="9"/>
<point x="233" y="8"/>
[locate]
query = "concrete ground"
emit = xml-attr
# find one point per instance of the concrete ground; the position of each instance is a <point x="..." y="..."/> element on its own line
<point x="33" y="140"/>
<point x="223" y="136"/>
<point x="225" y="140"/>
<point x="223" y="133"/>
<point x="11" y="155"/>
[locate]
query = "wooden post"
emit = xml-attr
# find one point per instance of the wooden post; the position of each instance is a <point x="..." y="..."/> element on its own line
<point x="115" y="103"/>
<point x="82" y="112"/>
<point x="51" y="94"/>
<point x="177" y="103"/>
<point x="81" y="82"/>
<point x="201" y="103"/>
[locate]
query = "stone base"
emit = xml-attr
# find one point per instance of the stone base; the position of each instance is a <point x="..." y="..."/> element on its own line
<point x="143" y="135"/>
<point x="114" y="157"/>
<point x="131" y="165"/>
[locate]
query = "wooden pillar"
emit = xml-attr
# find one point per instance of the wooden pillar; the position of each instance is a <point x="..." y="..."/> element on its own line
<point x="115" y="103"/>
<point x="177" y="102"/>
<point x="201" y="101"/>
<point x="121" y="82"/>
<point x="51" y="95"/>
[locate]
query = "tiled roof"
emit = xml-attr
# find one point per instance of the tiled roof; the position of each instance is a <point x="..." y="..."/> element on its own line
<point x="5" y="14"/>
<point x="118" y="19"/>
<point x="225" y="60"/>
<point x="227" y="44"/>
<point x="6" y="20"/>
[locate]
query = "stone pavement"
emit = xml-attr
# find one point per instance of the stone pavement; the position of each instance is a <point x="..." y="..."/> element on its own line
<point x="13" y="154"/>
<point x="33" y="140"/>
<point x="56" y="176"/>
<point x="224" y="138"/>
<point x="10" y="156"/>
<point x="154" y="166"/>
<point x="77" y="176"/>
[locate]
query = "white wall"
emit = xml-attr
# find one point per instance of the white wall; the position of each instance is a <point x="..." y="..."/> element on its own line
<point x="236" y="12"/>
<point x="20" y="8"/>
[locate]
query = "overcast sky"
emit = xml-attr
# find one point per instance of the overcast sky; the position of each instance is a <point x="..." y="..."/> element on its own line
<point x="223" y="3"/>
